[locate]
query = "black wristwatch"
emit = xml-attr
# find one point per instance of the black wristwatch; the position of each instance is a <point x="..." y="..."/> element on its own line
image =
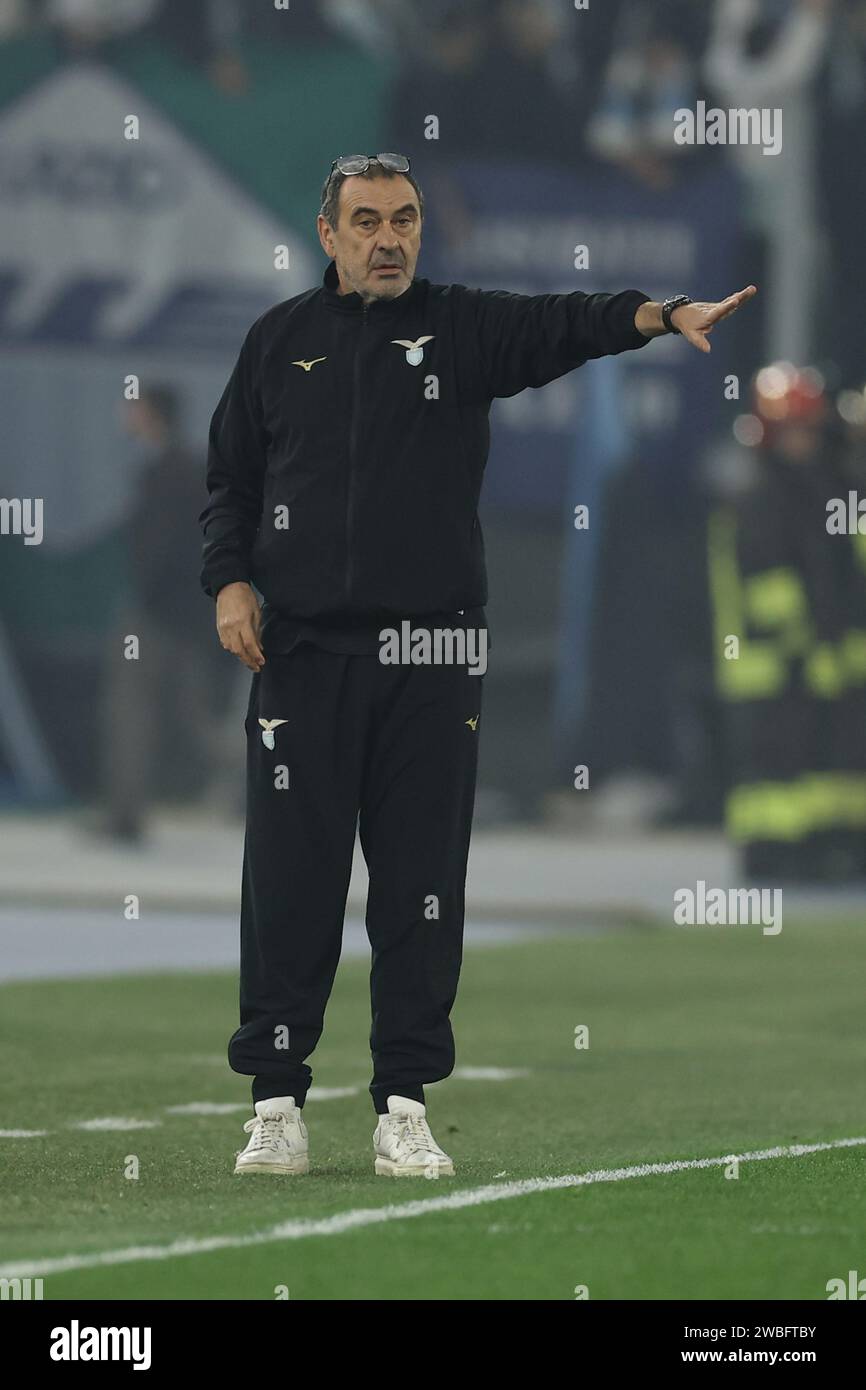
<point x="670" y="305"/>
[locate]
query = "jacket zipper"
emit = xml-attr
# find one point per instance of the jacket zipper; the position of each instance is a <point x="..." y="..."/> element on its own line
<point x="353" y="446"/>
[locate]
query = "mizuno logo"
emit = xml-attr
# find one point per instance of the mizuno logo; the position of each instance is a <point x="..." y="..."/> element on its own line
<point x="268" y="726"/>
<point x="414" y="351"/>
<point x="473" y="723"/>
<point x="308" y="366"/>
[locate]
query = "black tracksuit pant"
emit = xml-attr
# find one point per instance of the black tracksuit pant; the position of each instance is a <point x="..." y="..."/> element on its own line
<point x="397" y="746"/>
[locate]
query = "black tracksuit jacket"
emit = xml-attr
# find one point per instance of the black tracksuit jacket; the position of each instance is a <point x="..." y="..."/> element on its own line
<point x="379" y="456"/>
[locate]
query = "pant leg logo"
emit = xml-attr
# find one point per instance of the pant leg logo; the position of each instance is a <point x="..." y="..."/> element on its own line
<point x="472" y="723"/>
<point x="268" y="726"/>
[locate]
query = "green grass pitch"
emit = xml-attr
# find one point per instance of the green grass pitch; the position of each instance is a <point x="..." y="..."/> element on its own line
<point x="702" y="1042"/>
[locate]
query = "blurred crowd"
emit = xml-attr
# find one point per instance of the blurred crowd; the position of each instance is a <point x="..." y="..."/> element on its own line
<point x="539" y="81"/>
<point x="534" y="79"/>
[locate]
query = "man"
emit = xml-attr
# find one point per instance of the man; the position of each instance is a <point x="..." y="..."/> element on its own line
<point x="346" y="460"/>
<point x="788" y="579"/>
<point x="158" y="703"/>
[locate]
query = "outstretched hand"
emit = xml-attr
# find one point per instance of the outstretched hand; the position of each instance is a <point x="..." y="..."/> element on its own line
<point x="697" y="321"/>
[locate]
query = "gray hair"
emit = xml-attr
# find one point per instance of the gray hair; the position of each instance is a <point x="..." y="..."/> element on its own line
<point x="330" y="208"/>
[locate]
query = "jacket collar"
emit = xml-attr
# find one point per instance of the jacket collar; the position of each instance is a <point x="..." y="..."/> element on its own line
<point x="354" y="304"/>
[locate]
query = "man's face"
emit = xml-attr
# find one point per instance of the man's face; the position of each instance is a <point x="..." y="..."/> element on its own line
<point x="377" y="238"/>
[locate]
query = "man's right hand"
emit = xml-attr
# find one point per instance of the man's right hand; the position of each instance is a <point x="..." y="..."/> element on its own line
<point x="239" y="620"/>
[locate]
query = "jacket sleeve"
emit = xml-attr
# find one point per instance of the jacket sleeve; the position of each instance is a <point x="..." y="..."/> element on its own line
<point x="237" y="456"/>
<point x="527" y="340"/>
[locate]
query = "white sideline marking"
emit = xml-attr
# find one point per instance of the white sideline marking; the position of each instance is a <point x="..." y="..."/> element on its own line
<point x="374" y="1216"/>
<point x="489" y="1073"/>
<point x="207" y="1107"/>
<point x="213" y="1107"/>
<point x="218" y="1107"/>
<point x="112" y="1122"/>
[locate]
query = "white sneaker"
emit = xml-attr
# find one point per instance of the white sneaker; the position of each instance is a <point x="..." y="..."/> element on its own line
<point x="404" y="1146"/>
<point x="278" y="1139"/>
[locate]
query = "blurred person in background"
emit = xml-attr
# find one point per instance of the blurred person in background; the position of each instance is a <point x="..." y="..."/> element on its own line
<point x="793" y="594"/>
<point x="501" y="75"/>
<point x="510" y="80"/>
<point x="438" y="76"/>
<point x="651" y="75"/>
<point x="842" y="165"/>
<point x="396" y="29"/>
<point x="769" y="54"/>
<point x="157" y="722"/>
<point x="88" y="27"/>
<point x="212" y="33"/>
<point x="208" y="33"/>
<point x="526" y="92"/>
<point x="16" y="16"/>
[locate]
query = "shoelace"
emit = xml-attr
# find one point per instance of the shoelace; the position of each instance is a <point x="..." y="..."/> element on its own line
<point x="267" y="1133"/>
<point x="414" y="1131"/>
